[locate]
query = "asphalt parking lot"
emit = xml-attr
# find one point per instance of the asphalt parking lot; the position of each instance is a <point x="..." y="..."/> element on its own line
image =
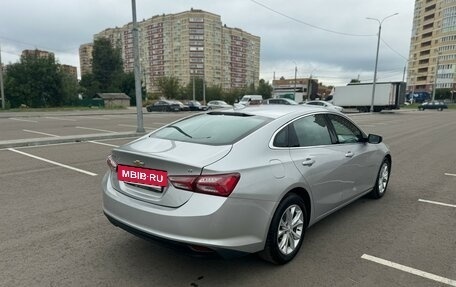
<point x="53" y="231"/>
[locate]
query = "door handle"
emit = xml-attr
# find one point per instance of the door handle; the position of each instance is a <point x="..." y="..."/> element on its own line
<point x="349" y="154"/>
<point x="308" y="162"/>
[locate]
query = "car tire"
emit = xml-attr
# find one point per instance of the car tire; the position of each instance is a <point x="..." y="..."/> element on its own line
<point x="289" y="223"/>
<point x="382" y="179"/>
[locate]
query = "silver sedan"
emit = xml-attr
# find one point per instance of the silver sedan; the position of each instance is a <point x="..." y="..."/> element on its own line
<point x="212" y="105"/>
<point x="247" y="180"/>
<point x="325" y="104"/>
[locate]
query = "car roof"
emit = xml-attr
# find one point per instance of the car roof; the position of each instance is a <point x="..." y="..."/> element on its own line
<point x="317" y="101"/>
<point x="277" y="111"/>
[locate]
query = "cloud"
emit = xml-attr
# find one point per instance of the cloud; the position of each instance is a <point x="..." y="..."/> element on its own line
<point x="62" y="26"/>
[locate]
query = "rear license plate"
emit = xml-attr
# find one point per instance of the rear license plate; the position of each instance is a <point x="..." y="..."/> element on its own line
<point x="142" y="175"/>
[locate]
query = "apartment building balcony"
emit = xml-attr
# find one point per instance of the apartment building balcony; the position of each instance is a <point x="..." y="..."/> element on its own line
<point x="428" y="16"/>
<point x="427" y="26"/>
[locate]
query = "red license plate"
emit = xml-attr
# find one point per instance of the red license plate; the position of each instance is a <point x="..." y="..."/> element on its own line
<point x="142" y="175"/>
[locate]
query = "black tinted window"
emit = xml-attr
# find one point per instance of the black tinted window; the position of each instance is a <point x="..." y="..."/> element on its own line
<point x="212" y="128"/>
<point x="281" y="138"/>
<point x="311" y="130"/>
<point x="346" y="131"/>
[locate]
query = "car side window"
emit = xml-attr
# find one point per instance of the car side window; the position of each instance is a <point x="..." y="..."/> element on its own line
<point x="346" y="131"/>
<point x="311" y="131"/>
<point x="281" y="138"/>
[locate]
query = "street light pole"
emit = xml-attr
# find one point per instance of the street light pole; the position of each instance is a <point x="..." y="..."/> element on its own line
<point x="376" y="55"/>
<point x="294" y="89"/>
<point x="140" y="128"/>
<point x="2" y="92"/>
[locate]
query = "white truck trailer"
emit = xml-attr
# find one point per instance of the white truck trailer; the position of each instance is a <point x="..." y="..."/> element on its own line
<point x="388" y="96"/>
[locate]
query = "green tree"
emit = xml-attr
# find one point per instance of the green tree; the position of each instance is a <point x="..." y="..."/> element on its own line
<point x="89" y="87"/>
<point x="186" y="92"/>
<point x="127" y="86"/>
<point x="107" y="73"/>
<point x="264" y="89"/>
<point x="234" y="95"/>
<point x="442" y="94"/>
<point x="69" y="89"/>
<point x="107" y="66"/>
<point x="169" y="87"/>
<point x="35" y="82"/>
<point x="214" y="93"/>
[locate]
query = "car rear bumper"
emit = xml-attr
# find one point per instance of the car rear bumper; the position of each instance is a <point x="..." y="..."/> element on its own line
<point x="219" y="223"/>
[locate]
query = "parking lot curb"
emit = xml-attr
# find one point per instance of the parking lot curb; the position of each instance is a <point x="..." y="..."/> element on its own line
<point x="66" y="139"/>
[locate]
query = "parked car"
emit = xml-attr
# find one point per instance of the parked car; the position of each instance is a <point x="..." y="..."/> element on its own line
<point x="251" y="100"/>
<point x="196" y="106"/>
<point x="212" y="105"/>
<point x="182" y="106"/>
<point x="418" y="97"/>
<point x="325" y="104"/>
<point x="249" y="180"/>
<point x="163" y="106"/>
<point x="279" y="101"/>
<point x="435" y="105"/>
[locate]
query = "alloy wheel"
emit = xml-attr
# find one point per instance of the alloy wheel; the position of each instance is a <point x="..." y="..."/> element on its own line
<point x="290" y="229"/>
<point x="383" y="178"/>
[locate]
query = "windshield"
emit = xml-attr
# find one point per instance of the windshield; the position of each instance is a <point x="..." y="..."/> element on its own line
<point x="212" y="128"/>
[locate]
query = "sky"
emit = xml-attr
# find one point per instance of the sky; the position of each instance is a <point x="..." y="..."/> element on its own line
<point x="330" y="40"/>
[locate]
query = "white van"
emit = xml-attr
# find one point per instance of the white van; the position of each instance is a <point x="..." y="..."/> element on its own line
<point x="251" y="100"/>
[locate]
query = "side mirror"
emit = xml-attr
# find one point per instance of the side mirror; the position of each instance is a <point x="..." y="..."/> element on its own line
<point x="374" y="139"/>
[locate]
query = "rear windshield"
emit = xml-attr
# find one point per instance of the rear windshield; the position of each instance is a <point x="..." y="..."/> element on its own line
<point x="212" y="128"/>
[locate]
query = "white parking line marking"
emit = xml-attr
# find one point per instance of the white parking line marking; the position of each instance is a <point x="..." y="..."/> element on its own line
<point x="53" y="162"/>
<point x="41" y="133"/>
<point x="161" y="123"/>
<point x="410" y="270"/>
<point x="450" y="174"/>
<point x="95" y="142"/>
<point x="95" y="118"/>
<point x="22" y="120"/>
<point x="437" y="203"/>
<point x="133" y="126"/>
<point x="60" y="119"/>
<point x="100" y="130"/>
<point x="119" y="117"/>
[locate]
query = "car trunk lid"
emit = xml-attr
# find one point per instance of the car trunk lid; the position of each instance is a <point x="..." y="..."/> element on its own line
<point x="164" y="158"/>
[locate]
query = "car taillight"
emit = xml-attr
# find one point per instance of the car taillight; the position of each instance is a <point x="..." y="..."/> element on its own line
<point x="111" y="163"/>
<point x="215" y="184"/>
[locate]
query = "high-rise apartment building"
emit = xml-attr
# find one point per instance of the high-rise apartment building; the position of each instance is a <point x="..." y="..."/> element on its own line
<point x="37" y="53"/>
<point x="432" y="59"/>
<point x="187" y="45"/>
<point x="85" y="58"/>
<point x="72" y="71"/>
